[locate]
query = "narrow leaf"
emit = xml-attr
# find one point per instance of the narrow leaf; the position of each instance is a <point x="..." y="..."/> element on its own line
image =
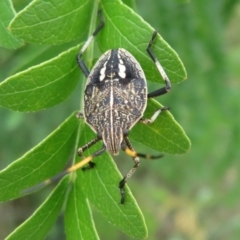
<point x="100" y="185"/>
<point x="52" y="21"/>
<point x="7" y="12"/>
<point x="134" y="34"/>
<point x="78" y="218"/>
<point x="163" y="135"/>
<point x="43" y="161"/>
<point x="43" y="85"/>
<point x="38" y="225"/>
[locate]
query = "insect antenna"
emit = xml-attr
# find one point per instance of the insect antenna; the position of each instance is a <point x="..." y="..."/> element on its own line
<point x="58" y="176"/>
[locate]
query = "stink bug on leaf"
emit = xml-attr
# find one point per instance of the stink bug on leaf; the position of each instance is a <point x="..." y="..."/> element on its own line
<point x="115" y="99"/>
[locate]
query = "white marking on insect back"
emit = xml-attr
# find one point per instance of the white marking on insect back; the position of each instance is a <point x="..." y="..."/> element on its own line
<point x="119" y="58"/>
<point x="121" y="66"/>
<point x="102" y="72"/>
<point x="122" y="71"/>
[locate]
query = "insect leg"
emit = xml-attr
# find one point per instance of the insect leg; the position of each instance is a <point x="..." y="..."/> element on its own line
<point x="87" y="145"/>
<point x="167" y="87"/>
<point x="81" y="64"/>
<point x="65" y="172"/>
<point x="128" y="149"/>
<point x="154" y="116"/>
<point x="136" y="161"/>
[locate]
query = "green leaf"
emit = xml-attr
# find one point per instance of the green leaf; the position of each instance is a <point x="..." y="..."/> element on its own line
<point x="43" y="85"/>
<point x="43" y="161"/>
<point x="52" y="21"/>
<point x="163" y="135"/>
<point x="100" y="185"/>
<point x="7" y="12"/>
<point x="38" y="225"/>
<point x="78" y="218"/>
<point x="134" y="34"/>
<point x="47" y="84"/>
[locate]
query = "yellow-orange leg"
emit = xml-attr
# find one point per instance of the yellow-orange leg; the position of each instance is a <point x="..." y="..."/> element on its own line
<point x="57" y="177"/>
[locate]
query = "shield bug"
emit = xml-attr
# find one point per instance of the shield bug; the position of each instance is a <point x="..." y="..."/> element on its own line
<point x="115" y="99"/>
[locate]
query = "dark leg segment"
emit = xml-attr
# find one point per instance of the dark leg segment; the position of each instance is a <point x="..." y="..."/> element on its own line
<point x="87" y="145"/>
<point x="167" y="87"/>
<point x="136" y="161"/>
<point x="127" y="148"/>
<point x="84" y="47"/>
<point x="92" y="164"/>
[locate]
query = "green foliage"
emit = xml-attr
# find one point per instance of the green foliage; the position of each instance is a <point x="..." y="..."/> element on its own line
<point x="43" y="85"/>
<point x="49" y="83"/>
<point x="100" y="187"/>
<point x="163" y="135"/>
<point x="39" y="163"/>
<point x="49" y="22"/>
<point x="121" y="31"/>
<point x="78" y="217"/>
<point x="39" y="224"/>
<point x="7" y="12"/>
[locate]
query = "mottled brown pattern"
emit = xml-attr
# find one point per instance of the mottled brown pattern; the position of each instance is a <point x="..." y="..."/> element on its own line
<point x="115" y="96"/>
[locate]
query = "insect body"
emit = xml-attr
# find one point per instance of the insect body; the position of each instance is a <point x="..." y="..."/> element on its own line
<point x="115" y="97"/>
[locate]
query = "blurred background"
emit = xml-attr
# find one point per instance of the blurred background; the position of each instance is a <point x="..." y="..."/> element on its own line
<point x="191" y="196"/>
